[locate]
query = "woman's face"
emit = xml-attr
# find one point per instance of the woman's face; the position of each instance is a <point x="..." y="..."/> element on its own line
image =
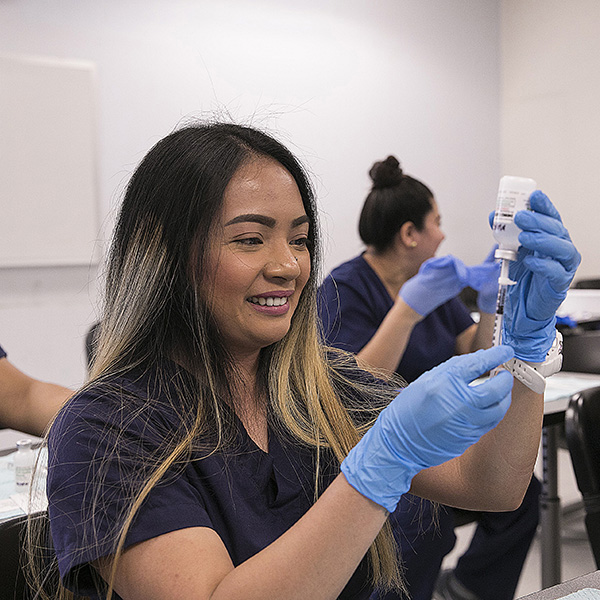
<point x="431" y="236"/>
<point x="259" y="261"/>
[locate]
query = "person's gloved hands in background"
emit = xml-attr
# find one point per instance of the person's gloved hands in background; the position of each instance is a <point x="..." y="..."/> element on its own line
<point x="436" y="418"/>
<point x="439" y="279"/>
<point x="442" y="278"/>
<point x="545" y="266"/>
<point x="484" y="279"/>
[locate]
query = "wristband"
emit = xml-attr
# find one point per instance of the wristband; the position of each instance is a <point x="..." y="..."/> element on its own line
<point x="532" y="374"/>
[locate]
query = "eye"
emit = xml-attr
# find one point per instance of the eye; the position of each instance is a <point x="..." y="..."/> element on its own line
<point x="248" y="241"/>
<point x="301" y="242"/>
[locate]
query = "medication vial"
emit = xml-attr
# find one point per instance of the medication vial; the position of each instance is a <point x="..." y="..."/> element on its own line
<point x="24" y="460"/>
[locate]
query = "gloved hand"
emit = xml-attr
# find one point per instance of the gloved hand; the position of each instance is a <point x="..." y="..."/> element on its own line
<point x="545" y="266"/>
<point x="484" y="279"/>
<point x="438" y="280"/>
<point x="436" y="418"/>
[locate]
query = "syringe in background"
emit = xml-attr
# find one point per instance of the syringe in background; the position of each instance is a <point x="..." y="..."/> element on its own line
<point x="513" y="196"/>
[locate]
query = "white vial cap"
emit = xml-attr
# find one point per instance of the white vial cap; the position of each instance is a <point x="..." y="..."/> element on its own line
<point x="505" y="253"/>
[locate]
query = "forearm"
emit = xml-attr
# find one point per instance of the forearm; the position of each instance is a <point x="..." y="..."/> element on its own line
<point x="494" y="473"/>
<point x="514" y="443"/>
<point x="44" y="401"/>
<point x="27" y="404"/>
<point x="386" y="348"/>
<point x="33" y="411"/>
<point x="484" y="332"/>
<point x="316" y="557"/>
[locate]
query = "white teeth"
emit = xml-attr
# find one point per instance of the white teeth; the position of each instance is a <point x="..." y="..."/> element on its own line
<point x="270" y="301"/>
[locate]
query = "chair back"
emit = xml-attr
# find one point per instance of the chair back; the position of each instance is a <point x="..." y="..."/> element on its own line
<point x="587" y="284"/>
<point x="582" y="427"/>
<point x="12" y="580"/>
<point x="581" y="352"/>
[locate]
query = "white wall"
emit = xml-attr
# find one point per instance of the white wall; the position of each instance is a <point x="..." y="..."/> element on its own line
<point x="344" y="82"/>
<point x="551" y="115"/>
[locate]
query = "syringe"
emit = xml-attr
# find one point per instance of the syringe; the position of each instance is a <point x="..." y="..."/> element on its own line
<point x="513" y="195"/>
<point x="503" y="283"/>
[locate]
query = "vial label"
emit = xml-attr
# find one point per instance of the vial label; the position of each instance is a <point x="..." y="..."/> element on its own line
<point x="513" y="195"/>
<point x="23" y="475"/>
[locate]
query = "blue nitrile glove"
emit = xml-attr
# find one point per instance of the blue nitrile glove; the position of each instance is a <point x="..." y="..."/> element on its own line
<point x="484" y="279"/>
<point x="436" y="418"/>
<point x="545" y="266"/>
<point x="567" y="321"/>
<point x="438" y="280"/>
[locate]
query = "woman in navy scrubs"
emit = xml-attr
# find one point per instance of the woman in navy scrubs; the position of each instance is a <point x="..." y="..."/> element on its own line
<point x="218" y="450"/>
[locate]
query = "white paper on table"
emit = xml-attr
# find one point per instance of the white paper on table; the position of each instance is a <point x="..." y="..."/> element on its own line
<point x="9" y="508"/>
<point x="584" y="594"/>
<point x="36" y="504"/>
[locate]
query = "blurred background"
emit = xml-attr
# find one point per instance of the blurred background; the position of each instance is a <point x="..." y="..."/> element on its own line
<point x="461" y="91"/>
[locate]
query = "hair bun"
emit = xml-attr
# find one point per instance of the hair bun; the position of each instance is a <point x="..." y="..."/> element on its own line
<point x="386" y="173"/>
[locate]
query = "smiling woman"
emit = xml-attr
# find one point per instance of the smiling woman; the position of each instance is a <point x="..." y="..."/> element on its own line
<point x="219" y="451"/>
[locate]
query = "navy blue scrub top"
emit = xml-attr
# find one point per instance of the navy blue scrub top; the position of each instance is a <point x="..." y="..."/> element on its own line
<point x="353" y="302"/>
<point x="247" y="496"/>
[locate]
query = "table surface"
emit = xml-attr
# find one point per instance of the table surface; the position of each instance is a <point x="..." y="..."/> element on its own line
<point x="560" y="388"/>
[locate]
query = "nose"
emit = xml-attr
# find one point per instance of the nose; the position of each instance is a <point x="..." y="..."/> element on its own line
<point x="282" y="264"/>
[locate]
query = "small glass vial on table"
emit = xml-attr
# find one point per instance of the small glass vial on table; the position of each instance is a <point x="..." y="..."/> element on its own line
<point x="24" y="460"/>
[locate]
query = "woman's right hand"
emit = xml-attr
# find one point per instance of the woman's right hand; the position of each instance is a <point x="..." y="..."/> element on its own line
<point x="434" y="419"/>
<point x="442" y="278"/>
<point x="544" y="269"/>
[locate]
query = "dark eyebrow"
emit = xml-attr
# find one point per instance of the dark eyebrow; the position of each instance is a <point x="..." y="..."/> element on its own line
<point x="264" y="220"/>
<point x="252" y="218"/>
<point x="300" y="221"/>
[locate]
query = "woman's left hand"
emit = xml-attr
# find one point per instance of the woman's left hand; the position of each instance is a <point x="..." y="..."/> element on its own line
<point x="546" y="264"/>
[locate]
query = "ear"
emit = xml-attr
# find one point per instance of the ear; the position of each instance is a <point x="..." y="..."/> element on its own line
<point x="407" y="235"/>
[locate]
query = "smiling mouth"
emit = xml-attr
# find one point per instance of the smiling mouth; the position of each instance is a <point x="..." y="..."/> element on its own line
<point x="270" y="301"/>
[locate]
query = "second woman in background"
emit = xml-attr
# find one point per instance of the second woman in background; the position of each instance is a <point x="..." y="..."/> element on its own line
<point x="396" y="307"/>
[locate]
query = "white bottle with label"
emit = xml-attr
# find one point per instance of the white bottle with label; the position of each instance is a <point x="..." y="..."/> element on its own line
<point x="513" y="196"/>
<point x="24" y="460"/>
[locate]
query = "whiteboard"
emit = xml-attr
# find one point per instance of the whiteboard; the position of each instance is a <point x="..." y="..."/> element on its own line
<point x="48" y="190"/>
